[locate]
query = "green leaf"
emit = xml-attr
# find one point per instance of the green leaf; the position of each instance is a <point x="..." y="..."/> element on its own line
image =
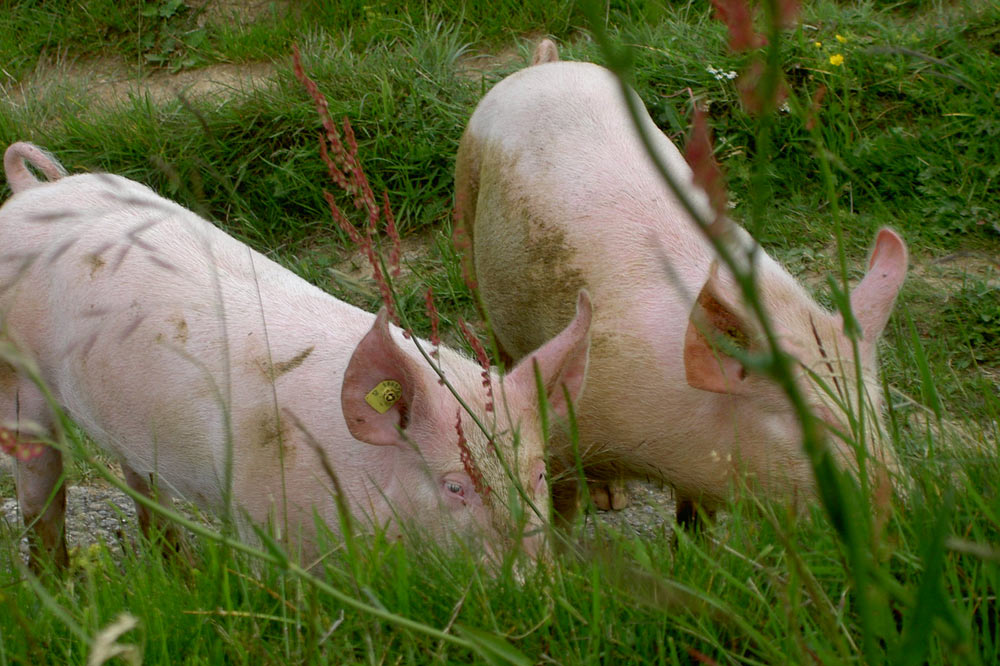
<point x="272" y="546"/>
<point x="928" y="388"/>
<point x="494" y="649"/>
<point x="196" y="38"/>
<point x="170" y="8"/>
<point x="931" y="601"/>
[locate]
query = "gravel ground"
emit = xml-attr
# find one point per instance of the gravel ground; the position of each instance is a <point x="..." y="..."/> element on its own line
<point x="650" y="511"/>
<point x="96" y="511"/>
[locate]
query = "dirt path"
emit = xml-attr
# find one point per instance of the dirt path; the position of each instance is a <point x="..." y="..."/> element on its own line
<point x="107" y="82"/>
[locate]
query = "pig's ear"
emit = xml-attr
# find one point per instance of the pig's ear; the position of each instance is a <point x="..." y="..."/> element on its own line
<point x="713" y="318"/>
<point x="873" y="298"/>
<point x="562" y="361"/>
<point x="379" y="387"/>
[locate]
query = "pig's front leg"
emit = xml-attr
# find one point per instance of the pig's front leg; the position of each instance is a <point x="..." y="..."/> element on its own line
<point x="149" y="522"/>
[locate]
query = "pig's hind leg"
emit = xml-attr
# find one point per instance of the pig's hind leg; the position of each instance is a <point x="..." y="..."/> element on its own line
<point x="692" y="513"/>
<point x="41" y="491"/>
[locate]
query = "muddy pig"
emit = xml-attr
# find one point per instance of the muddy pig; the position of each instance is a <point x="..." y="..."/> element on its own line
<point x="558" y="193"/>
<point x="213" y="373"/>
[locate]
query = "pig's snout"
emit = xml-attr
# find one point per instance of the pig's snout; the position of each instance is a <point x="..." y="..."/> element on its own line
<point x="535" y="543"/>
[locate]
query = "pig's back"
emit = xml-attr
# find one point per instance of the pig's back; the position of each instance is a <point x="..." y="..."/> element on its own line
<point x="568" y="197"/>
<point x="151" y="325"/>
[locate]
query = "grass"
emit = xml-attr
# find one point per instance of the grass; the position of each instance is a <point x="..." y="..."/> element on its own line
<point x="759" y="588"/>
<point x="909" y="125"/>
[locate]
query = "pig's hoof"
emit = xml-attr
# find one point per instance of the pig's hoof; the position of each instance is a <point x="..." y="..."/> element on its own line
<point x="619" y="495"/>
<point x="600" y="497"/>
<point x="611" y="496"/>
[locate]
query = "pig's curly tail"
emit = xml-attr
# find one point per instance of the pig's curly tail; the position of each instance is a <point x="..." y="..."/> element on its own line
<point x="546" y="51"/>
<point x="15" y="165"/>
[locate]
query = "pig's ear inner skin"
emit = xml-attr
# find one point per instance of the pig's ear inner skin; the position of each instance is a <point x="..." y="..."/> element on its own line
<point x="381" y="385"/>
<point x="714" y="331"/>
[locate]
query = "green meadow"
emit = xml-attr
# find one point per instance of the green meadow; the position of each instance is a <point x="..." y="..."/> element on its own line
<point x="198" y="100"/>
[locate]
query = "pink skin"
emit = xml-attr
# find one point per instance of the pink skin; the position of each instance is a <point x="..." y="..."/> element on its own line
<point x="15" y="165"/>
<point x="550" y="160"/>
<point x="150" y="327"/>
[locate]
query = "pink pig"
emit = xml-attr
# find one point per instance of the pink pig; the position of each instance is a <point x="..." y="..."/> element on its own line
<point x="558" y="194"/>
<point x="213" y="373"/>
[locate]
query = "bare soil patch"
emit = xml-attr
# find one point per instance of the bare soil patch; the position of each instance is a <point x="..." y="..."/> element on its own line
<point x="951" y="270"/>
<point x="477" y="65"/>
<point x="241" y="12"/>
<point x="107" y="81"/>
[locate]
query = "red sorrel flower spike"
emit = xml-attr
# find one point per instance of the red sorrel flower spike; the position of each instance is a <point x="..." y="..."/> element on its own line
<point x="817" y="101"/>
<point x="488" y="384"/>
<point x="748" y="86"/>
<point x="364" y="197"/>
<point x="482" y="357"/>
<point x="432" y="313"/>
<point x="336" y="158"/>
<point x="468" y="462"/>
<point x="342" y="162"/>
<point x="345" y="171"/>
<point x="788" y="13"/>
<point x="342" y="221"/>
<point x="699" y="155"/>
<point x="738" y="18"/>
<point x="390" y="228"/>
<point x="462" y="243"/>
<point x="475" y="343"/>
<point x="321" y="104"/>
<point x="336" y="175"/>
<point x="384" y="291"/>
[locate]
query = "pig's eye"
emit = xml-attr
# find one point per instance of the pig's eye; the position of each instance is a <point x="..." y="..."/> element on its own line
<point x="455" y="488"/>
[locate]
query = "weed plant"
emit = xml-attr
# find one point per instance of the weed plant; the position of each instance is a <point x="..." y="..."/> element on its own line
<point x="904" y="135"/>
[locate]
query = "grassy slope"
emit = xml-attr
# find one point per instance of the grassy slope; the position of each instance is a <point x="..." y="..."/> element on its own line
<point x="911" y="122"/>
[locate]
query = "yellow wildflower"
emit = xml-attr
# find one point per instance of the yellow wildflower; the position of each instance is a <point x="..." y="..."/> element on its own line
<point x="819" y="45"/>
<point x="841" y="39"/>
<point x="836" y="60"/>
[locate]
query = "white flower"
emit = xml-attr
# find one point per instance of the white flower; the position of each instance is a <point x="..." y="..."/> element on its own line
<point x="721" y="74"/>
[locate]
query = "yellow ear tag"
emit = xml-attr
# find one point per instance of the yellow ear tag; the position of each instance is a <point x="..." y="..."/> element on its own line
<point x="384" y="395"/>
